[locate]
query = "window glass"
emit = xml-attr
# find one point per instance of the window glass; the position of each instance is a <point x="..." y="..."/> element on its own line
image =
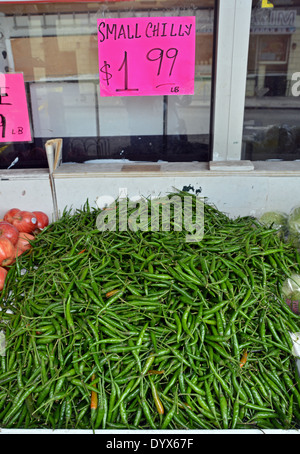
<point x="272" y="109"/>
<point x="55" y="46"/>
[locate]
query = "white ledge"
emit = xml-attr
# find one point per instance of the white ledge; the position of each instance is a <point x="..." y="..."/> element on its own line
<point x="23" y="174"/>
<point x="159" y="170"/>
<point x="177" y="169"/>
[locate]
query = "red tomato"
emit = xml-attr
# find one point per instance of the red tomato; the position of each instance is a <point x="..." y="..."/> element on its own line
<point x="7" y="252"/>
<point x="3" y="273"/>
<point x="25" y="221"/>
<point x="8" y="217"/>
<point x="42" y="219"/>
<point x="9" y="231"/>
<point x="23" y="243"/>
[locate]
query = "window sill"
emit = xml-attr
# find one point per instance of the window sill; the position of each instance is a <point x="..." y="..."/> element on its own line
<point x="23" y="174"/>
<point x="164" y="169"/>
<point x="136" y="170"/>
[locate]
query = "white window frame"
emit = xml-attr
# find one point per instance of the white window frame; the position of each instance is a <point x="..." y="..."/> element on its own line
<point x="232" y="47"/>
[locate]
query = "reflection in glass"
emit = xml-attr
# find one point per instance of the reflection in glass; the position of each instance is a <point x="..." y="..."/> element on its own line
<point x="272" y="110"/>
<point x="55" y="46"/>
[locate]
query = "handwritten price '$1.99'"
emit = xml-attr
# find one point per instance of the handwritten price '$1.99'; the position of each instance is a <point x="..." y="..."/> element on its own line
<point x="161" y="56"/>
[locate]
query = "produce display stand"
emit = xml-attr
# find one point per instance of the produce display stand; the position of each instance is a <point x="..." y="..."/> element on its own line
<point x="114" y="324"/>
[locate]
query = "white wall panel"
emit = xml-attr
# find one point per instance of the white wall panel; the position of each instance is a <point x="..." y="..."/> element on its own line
<point x="25" y="190"/>
<point x="231" y="60"/>
<point x="236" y="193"/>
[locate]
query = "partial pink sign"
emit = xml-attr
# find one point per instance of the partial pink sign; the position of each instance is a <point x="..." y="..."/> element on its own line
<point x="14" y="117"/>
<point x="144" y="56"/>
<point x="59" y="1"/>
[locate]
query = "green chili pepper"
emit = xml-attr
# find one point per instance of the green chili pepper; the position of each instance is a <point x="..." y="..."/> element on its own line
<point x="158" y="319"/>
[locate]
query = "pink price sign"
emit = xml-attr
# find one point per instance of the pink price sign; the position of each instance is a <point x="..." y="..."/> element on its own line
<point x="144" y="56"/>
<point x="14" y="117"/>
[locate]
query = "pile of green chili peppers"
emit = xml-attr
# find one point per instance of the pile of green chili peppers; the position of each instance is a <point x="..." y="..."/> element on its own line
<point x="167" y="334"/>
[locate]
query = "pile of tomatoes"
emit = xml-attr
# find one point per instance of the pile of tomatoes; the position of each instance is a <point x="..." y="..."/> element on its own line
<point x="17" y="229"/>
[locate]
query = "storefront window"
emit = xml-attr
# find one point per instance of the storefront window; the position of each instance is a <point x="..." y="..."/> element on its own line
<point x="55" y="46"/>
<point x="272" y="108"/>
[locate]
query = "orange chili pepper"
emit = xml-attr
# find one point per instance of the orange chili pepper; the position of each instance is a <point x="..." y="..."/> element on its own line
<point x="112" y="292"/>
<point x="156" y="372"/>
<point x="157" y="401"/>
<point x="243" y="358"/>
<point x="184" y="404"/>
<point x="94" y="397"/>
